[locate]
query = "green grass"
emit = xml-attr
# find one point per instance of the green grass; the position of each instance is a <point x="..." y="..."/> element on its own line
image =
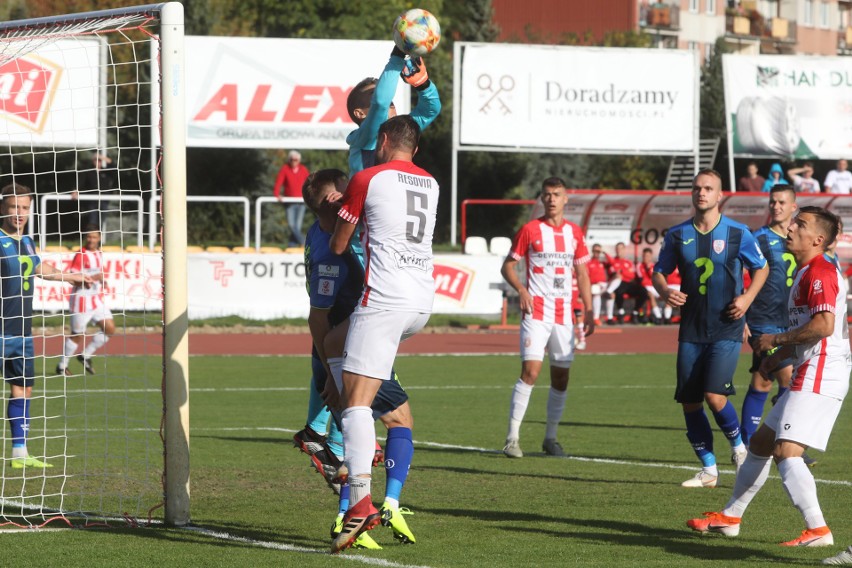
<point x="615" y="502"/>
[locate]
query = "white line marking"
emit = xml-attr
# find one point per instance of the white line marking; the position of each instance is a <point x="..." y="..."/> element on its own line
<point x="293" y="548"/>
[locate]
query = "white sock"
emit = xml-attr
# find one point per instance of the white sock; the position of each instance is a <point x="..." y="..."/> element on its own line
<point x="658" y="313"/>
<point x="68" y="351"/>
<point x="20" y="452"/>
<point x="667" y="311"/>
<point x="359" y="439"/>
<point x="555" y="406"/>
<point x="391" y="503"/>
<point x="750" y="480"/>
<point x="610" y="305"/>
<point x="517" y="408"/>
<point x="335" y="364"/>
<point x="98" y="341"/>
<point x="711" y="470"/>
<point x="801" y="487"/>
<point x="596" y="306"/>
<point x="580" y="332"/>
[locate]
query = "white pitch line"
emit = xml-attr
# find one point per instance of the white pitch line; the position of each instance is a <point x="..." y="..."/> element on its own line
<point x="293" y="548"/>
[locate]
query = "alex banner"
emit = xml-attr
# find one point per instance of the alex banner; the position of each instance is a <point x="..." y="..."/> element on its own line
<point x="579" y="98"/>
<point x="277" y="93"/>
<point x="37" y="105"/>
<point x="788" y="106"/>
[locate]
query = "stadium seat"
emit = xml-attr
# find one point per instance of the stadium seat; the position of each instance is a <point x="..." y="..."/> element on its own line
<point x="112" y="248"/>
<point x="271" y="250"/>
<point x="295" y="250"/>
<point x="475" y="245"/>
<point x="500" y="246"/>
<point x="244" y="250"/>
<point x="192" y="249"/>
<point x="137" y="249"/>
<point x="218" y="249"/>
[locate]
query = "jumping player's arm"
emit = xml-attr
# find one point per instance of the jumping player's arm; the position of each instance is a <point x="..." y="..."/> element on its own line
<point x="666" y="264"/>
<point x="367" y="133"/>
<point x="428" y="100"/>
<point x="350" y="212"/>
<point x="754" y="260"/>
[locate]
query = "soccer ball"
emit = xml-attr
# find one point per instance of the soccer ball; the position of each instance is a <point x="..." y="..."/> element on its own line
<point x="416" y="32"/>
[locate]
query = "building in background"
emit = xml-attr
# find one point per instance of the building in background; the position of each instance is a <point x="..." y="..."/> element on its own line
<point x="808" y="27"/>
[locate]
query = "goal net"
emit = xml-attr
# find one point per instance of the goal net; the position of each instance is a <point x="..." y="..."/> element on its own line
<point x="91" y="121"/>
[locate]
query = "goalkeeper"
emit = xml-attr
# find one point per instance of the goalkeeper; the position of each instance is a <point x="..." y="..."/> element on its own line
<point x="18" y="263"/>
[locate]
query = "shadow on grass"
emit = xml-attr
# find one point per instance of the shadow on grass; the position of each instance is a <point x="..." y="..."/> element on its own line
<point x="631" y="427"/>
<point x="516" y="475"/>
<point x="623" y="533"/>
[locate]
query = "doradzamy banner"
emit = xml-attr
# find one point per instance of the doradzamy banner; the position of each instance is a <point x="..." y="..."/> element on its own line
<point x="37" y="105"/>
<point x="579" y="98"/>
<point x="278" y="93"/>
<point x="788" y="106"/>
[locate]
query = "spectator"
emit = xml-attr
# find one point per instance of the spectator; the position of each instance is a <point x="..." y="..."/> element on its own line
<point x="291" y="177"/>
<point x="804" y="183"/>
<point x="98" y="181"/>
<point x="752" y="181"/>
<point x="597" y="278"/>
<point x="839" y="180"/>
<point x="624" y="283"/>
<point x="776" y="176"/>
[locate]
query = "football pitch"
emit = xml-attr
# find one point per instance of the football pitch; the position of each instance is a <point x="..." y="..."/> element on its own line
<point x="615" y="501"/>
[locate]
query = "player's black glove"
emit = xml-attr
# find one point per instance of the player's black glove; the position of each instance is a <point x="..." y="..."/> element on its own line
<point x="414" y="73"/>
<point x="398" y="52"/>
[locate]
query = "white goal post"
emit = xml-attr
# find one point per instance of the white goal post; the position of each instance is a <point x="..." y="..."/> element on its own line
<point x="82" y="96"/>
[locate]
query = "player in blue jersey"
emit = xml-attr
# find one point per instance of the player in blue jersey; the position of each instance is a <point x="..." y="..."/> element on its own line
<point x="19" y="262"/>
<point x="335" y="283"/>
<point x="768" y="313"/>
<point x="710" y="251"/>
<point x="370" y="103"/>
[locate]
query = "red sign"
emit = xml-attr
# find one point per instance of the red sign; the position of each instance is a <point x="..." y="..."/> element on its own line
<point x="452" y="282"/>
<point x="27" y="86"/>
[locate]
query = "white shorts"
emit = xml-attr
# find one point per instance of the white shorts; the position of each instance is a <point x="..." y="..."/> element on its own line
<point x="805" y="418"/>
<point x="558" y="339"/>
<point x="80" y="321"/>
<point x="374" y="337"/>
<point x="597" y="289"/>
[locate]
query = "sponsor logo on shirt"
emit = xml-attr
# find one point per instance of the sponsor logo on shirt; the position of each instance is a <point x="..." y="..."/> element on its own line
<point x="326" y="287"/>
<point x="328" y="270"/>
<point x="406" y="260"/>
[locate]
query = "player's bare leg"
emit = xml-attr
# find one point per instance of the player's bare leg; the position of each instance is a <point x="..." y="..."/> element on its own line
<point x="530" y="369"/>
<point x="359" y="439"/>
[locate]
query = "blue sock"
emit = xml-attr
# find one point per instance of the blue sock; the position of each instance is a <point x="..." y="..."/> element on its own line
<point x="781" y="392"/>
<point x="752" y="412"/>
<point x="18" y="413"/>
<point x="700" y="435"/>
<point x="335" y="439"/>
<point x="343" y="504"/>
<point x="318" y="414"/>
<point x="729" y="424"/>
<point x="399" y="450"/>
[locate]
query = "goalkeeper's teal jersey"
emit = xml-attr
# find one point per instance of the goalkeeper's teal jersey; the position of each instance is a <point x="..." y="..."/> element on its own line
<point x="18" y="261"/>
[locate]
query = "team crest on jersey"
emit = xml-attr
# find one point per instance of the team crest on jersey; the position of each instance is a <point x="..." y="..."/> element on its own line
<point x="559" y="283"/>
<point x="30" y="249"/>
<point x="329" y="270"/>
<point x="817" y="285"/>
<point x="718" y="246"/>
<point x="326" y="287"/>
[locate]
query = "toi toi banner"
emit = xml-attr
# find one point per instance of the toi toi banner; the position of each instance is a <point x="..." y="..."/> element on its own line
<point x="791" y="106"/>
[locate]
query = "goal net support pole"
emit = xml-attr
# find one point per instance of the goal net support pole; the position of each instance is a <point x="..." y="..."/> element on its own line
<point x="175" y="316"/>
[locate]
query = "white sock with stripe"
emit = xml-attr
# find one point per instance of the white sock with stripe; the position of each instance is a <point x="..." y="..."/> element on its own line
<point x="518" y="408"/>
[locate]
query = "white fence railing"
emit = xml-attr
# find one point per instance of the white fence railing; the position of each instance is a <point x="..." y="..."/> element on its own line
<point x="258" y="206"/>
<point x="153" y="212"/>
<point x="43" y="212"/>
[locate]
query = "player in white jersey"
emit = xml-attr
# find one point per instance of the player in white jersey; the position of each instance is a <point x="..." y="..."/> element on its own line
<point x="551" y="247"/>
<point x="396" y="202"/>
<point x="87" y="305"/>
<point x="818" y="338"/>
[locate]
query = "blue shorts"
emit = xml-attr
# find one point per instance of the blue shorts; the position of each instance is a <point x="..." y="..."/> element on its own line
<point x="19" y="361"/>
<point x="706" y="367"/>
<point x="758" y="357"/>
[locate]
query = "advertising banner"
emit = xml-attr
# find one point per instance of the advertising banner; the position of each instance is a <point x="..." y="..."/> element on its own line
<point x="789" y="106"/>
<point x="278" y="93"/>
<point x="37" y="106"/>
<point x="579" y="98"/>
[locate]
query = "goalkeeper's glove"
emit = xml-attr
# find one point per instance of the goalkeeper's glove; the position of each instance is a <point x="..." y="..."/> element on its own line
<point x="414" y="73"/>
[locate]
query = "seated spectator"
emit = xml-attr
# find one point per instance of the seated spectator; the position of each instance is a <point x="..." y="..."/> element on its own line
<point x="839" y="180"/>
<point x="752" y="181"/>
<point x="776" y="176"/>
<point x="803" y="180"/>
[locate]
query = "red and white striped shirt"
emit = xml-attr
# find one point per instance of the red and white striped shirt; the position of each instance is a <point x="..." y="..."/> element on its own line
<point x="822" y="367"/>
<point x="550" y="253"/>
<point x="84" y="299"/>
